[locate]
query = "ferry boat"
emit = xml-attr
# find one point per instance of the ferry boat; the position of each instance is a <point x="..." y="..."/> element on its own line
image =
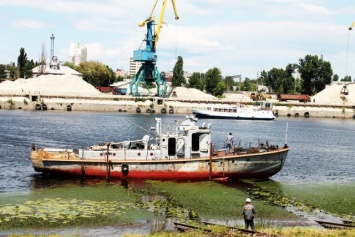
<point x="237" y="111"/>
<point x="179" y="151"/>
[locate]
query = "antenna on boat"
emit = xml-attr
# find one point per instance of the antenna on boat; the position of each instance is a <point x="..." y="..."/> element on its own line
<point x="140" y="127"/>
<point x="285" y="146"/>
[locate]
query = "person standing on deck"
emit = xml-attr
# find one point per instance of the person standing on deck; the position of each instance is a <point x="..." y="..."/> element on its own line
<point x="229" y="143"/>
<point x="248" y="214"/>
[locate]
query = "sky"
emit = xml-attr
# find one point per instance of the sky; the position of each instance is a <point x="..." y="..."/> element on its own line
<point x="237" y="36"/>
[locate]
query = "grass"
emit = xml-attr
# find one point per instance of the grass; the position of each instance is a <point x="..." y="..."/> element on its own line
<point x="102" y="204"/>
<point x="210" y="200"/>
<point x="223" y="232"/>
<point x="289" y="232"/>
<point x="337" y="199"/>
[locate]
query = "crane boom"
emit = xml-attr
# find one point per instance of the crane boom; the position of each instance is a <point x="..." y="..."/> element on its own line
<point x="148" y="72"/>
<point x="160" y="20"/>
<point x="352" y="25"/>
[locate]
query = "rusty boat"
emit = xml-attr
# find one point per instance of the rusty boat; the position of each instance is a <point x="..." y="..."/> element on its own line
<point x="178" y="151"/>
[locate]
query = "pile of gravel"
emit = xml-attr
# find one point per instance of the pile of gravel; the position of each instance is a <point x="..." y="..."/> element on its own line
<point x="331" y="94"/>
<point x="191" y="93"/>
<point x="50" y="83"/>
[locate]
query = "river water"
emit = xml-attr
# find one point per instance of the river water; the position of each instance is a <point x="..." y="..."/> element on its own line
<point x="322" y="150"/>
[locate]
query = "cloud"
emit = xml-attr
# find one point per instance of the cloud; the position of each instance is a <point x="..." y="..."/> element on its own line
<point x="316" y="9"/>
<point x="107" y="8"/>
<point x="28" y="24"/>
<point x="237" y="36"/>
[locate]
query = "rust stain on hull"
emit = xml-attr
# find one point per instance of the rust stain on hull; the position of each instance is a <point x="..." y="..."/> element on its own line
<point x="232" y="166"/>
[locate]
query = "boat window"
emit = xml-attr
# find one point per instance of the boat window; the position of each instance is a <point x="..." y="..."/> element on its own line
<point x="171" y="146"/>
<point x="195" y="144"/>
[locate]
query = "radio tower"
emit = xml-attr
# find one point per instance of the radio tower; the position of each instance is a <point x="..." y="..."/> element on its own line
<point x="52" y="47"/>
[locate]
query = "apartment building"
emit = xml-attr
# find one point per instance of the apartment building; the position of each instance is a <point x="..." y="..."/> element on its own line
<point x="77" y="53"/>
<point x="134" y="67"/>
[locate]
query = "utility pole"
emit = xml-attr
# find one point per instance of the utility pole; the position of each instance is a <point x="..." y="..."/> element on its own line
<point x="52" y="46"/>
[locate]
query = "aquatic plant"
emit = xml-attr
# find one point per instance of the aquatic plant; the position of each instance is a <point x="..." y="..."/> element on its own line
<point x="75" y="206"/>
<point x="214" y="200"/>
<point x="61" y="212"/>
<point x="333" y="197"/>
<point x="226" y="232"/>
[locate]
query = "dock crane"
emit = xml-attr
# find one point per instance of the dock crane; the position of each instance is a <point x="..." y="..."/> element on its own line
<point x="352" y="25"/>
<point x="148" y="72"/>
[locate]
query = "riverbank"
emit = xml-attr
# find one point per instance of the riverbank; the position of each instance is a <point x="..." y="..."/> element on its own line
<point x="182" y="105"/>
<point x="150" y="208"/>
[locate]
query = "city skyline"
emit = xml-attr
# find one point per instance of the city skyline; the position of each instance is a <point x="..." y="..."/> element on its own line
<point x="240" y="38"/>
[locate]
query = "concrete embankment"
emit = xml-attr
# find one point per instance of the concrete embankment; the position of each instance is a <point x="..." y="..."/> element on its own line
<point x="165" y="105"/>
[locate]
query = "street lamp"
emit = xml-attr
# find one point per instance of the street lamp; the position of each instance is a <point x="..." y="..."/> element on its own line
<point x="240" y="79"/>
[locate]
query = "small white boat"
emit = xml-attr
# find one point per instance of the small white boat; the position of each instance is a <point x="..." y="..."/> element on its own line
<point x="238" y="111"/>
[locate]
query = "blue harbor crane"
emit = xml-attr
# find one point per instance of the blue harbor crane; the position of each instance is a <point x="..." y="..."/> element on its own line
<point x="148" y="72"/>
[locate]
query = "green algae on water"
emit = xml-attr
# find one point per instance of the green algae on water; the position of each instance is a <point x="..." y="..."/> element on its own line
<point x="72" y="206"/>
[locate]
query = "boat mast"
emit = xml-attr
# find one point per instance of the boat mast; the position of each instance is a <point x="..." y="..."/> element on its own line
<point x="285" y="146"/>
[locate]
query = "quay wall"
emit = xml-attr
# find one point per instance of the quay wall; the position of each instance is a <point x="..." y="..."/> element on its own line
<point x="128" y="104"/>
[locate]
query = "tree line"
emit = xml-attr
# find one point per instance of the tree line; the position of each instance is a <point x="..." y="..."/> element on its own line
<point x="95" y="73"/>
<point x="309" y="76"/>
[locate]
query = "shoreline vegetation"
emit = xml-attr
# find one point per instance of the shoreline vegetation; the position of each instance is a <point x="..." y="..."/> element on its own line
<point x="97" y="204"/>
<point x="225" y="232"/>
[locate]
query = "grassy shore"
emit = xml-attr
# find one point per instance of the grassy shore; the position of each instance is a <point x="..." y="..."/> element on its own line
<point x="222" y="232"/>
<point x="110" y="204"/>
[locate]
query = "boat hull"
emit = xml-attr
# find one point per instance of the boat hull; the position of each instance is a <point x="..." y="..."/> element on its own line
<point x="234" y="166"/>
<point x="260" y="115"/>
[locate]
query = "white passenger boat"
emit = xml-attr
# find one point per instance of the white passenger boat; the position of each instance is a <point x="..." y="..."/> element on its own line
<point x="237" y="111"/>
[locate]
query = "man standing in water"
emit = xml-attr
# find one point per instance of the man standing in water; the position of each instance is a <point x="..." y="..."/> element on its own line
<point x="248" y="213"/>
<point x="229" y="143"/>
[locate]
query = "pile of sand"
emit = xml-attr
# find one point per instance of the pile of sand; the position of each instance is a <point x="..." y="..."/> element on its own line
<point x="50" y="83"/>
<point x="331" y="94"/>
<point x="191" y="93"/>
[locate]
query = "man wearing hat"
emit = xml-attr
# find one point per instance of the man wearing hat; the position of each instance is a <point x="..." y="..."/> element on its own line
<point x="248" y="213"/>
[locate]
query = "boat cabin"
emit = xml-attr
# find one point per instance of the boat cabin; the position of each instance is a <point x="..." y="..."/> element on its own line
<point x="185" y="140"/>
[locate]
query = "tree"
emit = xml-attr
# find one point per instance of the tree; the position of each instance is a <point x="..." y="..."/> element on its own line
<point x="346" y="78"/>
<point x="280" y="80"/>
<point x="335" y="77"/>
<point x="3" y="73"/>
<point x="178" y="73"/>
<point x="196" y="81"/>
<point x="95" y="73"/>
<point x="315" y="74"/>
<point x="13" y="71"/>
<point x="229" y="82"/>
<point x="71" y="65"/>
<point x="42" y="60"/>
<point x="220" y="88"/>
<point x="28" y="68"/>
<point x="112" y="77"/>
<point x="212" y="77"/>
<point x="247" y="85"/>
<point x="21" y="62"/>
